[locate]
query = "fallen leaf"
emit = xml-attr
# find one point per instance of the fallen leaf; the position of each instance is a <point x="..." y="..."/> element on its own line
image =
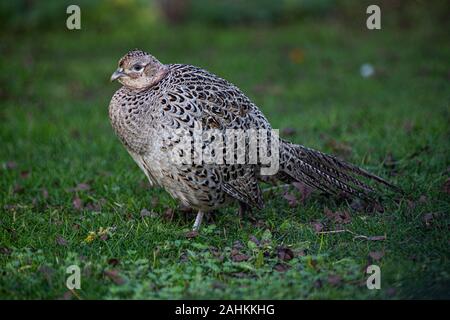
<point x="240" y="275"/>
<point x="339" y="148"/>
<point x="68" y="295"/>
<point x="281" y="267"/>
<point x="240" y="257"/>
<point x="168" y="214"/>
<point x="44" y="193"/>
<point x="238" y="245"/>
<point x="10" y="165"/>
<point x="447" y="186"/>
<point x="334" y="280"/>
<point x="191" y="234"/>
<point x="82" y="187"/>
<point x="114" y="276"/>
<point x="303" y="189"/>
<point x="292" y="200"/>
<point x="61" y="241"/>
<point x="296" y="55"/>
<point x="77" y="203"/>
<point x="255" y="240"/>
<point x="423" y="199"/>
<point x="408" y="126"/>
<point x="25" y="174"/>
<point x="338" y="216"/>
<point x="47" y="272"/>
<point x="391" y="292"/>
<point x="389" y="162"/>
<point x="285" y="254"/>
<point x="299" y="253"/>
<point x="94" y="206"/>
<point x="5" y="251"/>
<point x="18" y="188"/>
<point x="184" y="257"/>
<point x="146" y="213"/>
<point x="376" y="255"/>
<point x="428" y="218"/>
<point x="358" y="205"/>
<point x="317" y="226"/>
<point x="376" y="206"/>
<point x="318" y="284"/>
<point x="113" y="262"/>
<point x="288" y="131"/>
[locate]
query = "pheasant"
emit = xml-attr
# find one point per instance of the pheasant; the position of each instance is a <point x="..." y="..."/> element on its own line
<point x="157" y="100"/>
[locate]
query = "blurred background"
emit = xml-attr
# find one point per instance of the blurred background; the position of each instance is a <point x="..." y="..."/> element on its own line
<point x="312" y="59"/>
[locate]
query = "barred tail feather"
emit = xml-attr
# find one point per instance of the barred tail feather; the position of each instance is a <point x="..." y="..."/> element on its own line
<point x="328" y="173"/>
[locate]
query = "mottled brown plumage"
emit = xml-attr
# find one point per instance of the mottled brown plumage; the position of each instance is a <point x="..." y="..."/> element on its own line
<point x="157" y="99"/>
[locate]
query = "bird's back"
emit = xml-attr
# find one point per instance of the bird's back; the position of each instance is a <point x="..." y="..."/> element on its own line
<point x="188" y="98"/>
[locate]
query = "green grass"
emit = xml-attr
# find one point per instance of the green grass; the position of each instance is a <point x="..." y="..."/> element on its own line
<point x="54" y="126"/>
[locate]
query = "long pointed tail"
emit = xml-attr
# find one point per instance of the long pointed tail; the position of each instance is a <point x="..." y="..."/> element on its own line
<point x="328" y="173"/>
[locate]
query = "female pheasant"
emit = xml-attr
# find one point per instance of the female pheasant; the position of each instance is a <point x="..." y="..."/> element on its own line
<point x="156" y="101"/>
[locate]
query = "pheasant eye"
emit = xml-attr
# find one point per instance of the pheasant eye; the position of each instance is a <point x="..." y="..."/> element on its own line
<point x="137" y="67"/>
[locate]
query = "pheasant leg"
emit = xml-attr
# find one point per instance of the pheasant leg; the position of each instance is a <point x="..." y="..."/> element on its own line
<point x="198" y="221"/>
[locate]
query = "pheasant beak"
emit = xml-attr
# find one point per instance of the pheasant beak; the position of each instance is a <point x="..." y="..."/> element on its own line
<point x="117" y="74"/>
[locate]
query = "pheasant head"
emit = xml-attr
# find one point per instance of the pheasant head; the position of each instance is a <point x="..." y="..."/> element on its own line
<point x="139" y="70"/>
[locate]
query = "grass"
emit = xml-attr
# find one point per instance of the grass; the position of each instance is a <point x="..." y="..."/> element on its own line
<point x="55" y="134"/>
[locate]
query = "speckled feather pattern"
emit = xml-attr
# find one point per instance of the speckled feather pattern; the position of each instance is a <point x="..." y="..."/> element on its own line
<point x="188" y="96"/>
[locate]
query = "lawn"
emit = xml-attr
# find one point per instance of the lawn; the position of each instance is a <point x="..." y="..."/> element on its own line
<point x="70" y="193"/>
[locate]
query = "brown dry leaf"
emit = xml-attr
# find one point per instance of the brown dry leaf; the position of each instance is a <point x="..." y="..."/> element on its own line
<point x="339" y="148"/>
<point x="446" y="187"/>
<point x="338" y="216"/>
<point x="18" y="188"/>
<point x="238" y="245"/>
<point x="240" y="275"/>
<point x="77" y="203"/>
<point x="5" y="251"/>
<point x="408" y="126"/>
<point x="318" y="284"/>
<point x="288" y="131"/>
<point x="428" y="218"/>
<point x="168" y="214"/>
<point x="47" y="272"/>
<point x="334" y="280"/>
<point x="113" y="262"/>
<point x="94" y="206"/>
<point x="114" y="276"/>
<point x="292" y="200"/>
<point x="285" y="254"/>
<point x="25" y="174"/>
<point x="317" y="226"/>
<point x="296" y="55"/>
<point x="82" y="187"/>
<point x="390" y="162"/>
<point x="68" y="295"/>
<point x="146" y="213"/>
<point x="240" y="257"/>
<point x="61" y="241"/>
<point x="191" y="234"/>
<point x="10" y="165"/>
<point x="255" y="240"/>
<point x="281" y="267"/>
<point x="303" y="189"/>
<point x="376" y="255"/>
